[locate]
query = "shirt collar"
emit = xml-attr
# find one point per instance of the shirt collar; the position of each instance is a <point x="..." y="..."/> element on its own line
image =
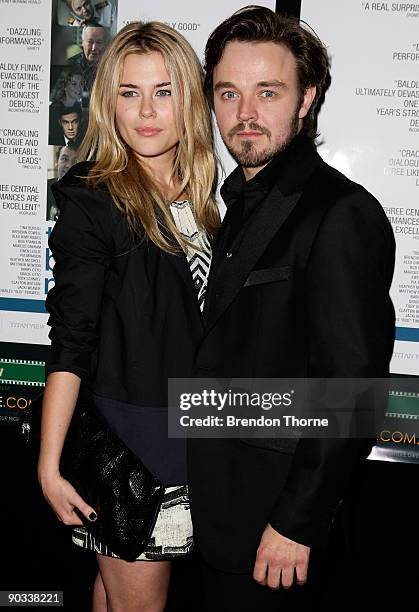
<point x="235" y="185"/>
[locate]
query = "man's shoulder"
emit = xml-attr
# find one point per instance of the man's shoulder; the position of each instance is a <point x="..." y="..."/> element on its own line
<point x="345" y="199"/>
<point x="338" y="187"/>
<point x="76" y="60"/>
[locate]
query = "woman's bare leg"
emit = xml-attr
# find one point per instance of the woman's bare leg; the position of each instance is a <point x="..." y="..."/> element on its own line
<point x="99" y="595"/>
<point x="138" y="586"/>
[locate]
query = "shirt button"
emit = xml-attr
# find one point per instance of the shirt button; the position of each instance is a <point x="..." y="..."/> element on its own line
<point x="229" y="254"/>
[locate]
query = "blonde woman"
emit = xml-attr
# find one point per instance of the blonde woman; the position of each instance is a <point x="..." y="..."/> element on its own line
<point x="132" y="252"/>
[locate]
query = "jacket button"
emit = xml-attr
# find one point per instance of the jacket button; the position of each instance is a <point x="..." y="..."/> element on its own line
<point x="229" y="254"/>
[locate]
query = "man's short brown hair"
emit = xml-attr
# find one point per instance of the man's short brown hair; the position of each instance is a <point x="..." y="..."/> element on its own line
<point x="260" y="24"/>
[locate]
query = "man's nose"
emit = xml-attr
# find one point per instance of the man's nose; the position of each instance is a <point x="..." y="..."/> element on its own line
<point x="246" y="110"/>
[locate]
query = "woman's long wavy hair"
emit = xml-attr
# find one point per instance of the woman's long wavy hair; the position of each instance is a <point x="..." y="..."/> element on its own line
<point x="131" y="185"/>
<point x="58" y="92"/>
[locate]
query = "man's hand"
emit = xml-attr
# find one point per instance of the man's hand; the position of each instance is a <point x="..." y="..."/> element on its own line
<point x="276" y="559"/>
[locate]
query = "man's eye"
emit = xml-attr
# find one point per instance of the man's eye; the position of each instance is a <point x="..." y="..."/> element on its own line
<point x="268" y="94"/>
<point x="229" y="95"/>
<point x="163" y="93"/>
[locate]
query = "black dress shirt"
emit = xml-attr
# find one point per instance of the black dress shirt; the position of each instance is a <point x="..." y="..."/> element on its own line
<point x="242" y="197"/>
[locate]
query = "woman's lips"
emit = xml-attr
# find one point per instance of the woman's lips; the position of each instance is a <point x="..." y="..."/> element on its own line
<point x="148" y="131"/>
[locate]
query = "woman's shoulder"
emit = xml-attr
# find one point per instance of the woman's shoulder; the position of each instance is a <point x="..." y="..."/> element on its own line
<point x="73" y="187"/>
<point x="80" y="204"/>
<point x="76" y="199"/>
<point x="76" y="176"/>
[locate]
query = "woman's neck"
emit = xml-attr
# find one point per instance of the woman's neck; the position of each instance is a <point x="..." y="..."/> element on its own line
<point x="161" y="169"/>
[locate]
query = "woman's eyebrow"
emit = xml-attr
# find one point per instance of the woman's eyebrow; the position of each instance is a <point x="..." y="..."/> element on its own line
<point x="132" y="86"/>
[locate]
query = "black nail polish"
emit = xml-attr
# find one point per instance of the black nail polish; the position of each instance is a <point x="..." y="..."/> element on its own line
<point x="92" y="516"/>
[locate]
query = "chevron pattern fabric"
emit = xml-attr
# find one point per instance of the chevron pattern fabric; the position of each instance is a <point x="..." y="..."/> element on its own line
<point x="198" y="253"/>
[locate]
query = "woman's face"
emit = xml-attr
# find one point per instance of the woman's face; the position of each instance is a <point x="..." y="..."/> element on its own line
<point x="74" y="87"/>
<point x="144" y="110"/>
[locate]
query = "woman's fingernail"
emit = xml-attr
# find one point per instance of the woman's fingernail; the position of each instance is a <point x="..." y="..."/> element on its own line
<point x="92" y="516"/>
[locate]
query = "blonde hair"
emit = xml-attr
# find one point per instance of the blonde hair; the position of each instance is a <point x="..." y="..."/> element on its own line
<point x="130" y="184"/>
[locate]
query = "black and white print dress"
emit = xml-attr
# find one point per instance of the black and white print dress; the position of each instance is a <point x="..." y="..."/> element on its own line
<point x="172" y="536"/>
<point x="198" y="253"/>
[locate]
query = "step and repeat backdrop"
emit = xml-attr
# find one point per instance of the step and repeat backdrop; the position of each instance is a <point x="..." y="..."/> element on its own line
<point x="369" y="125"/>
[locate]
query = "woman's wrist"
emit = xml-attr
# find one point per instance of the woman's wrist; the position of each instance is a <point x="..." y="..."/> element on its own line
<point x="48" y="472"/>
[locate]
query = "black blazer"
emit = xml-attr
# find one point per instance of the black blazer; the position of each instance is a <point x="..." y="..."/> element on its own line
<point x="303" y="292"/>
<point x="124" y="315"/>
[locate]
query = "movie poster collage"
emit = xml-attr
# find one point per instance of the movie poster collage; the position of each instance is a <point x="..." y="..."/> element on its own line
<point x="80" y="32"/>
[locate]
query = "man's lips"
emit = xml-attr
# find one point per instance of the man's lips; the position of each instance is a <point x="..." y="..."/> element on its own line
<point x="148" y="131"/>
<point x="249" y="134"/>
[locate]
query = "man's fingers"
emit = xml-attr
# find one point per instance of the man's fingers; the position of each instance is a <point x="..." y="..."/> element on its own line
<point x="259" y="572"/>
<point x="287" y="577"/>
<point x="274" y="576"/>
<point x="301" y="571"/>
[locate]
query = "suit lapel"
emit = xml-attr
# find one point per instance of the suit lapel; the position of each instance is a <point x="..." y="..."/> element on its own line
<point x="229" y="273"/>
<point x="218" y="252"/>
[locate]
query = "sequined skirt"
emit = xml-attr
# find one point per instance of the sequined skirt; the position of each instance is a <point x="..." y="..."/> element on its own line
<point x="172" y="536"/>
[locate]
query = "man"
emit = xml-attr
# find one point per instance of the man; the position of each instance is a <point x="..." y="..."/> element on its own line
<point x="65" y="125"/>
<point x="299" y="288"/>
<point x="79" y="13"/>
<point x="67" y="157"/>
<point x="70" y="122"/>
<point x="94" y="41"/>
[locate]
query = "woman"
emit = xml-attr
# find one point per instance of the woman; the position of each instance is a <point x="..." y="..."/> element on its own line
<point x="125" y="312"/>
<point x="68" y="88"/>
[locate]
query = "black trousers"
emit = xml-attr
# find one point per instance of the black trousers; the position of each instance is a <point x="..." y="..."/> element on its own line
<point x="329" y="587"/>
<point x="225" y="592"/>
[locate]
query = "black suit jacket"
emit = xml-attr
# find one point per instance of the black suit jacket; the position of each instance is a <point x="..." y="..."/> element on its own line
<point x="302" y="292"/>
<point x="124" y="315"/>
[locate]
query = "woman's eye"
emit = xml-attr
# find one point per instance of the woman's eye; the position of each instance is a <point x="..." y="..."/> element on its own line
<point x="128" y="94"/>
<point x="162" y="93"/>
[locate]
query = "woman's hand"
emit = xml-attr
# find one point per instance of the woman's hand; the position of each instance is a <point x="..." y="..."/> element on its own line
<point x="64" y="499"/>
<point x="60" y="397"/>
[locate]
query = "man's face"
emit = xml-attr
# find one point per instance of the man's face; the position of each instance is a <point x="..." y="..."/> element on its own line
<point x="94" y="43"/>
<point x="82" y="8"/>
<point x="257" y="102"/>
<point x="66" y="159"/>
<point x="70" y="124"/>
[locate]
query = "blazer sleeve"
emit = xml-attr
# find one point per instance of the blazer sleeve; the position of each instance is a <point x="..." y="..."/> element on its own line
<point x="81" y="245"/>
<point x="351" y="326"/>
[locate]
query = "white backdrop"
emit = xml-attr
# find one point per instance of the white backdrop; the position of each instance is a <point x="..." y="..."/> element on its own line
<point x="370" y="128"/>
<point x="369" y="124"/>
<point x="24" y="152"/>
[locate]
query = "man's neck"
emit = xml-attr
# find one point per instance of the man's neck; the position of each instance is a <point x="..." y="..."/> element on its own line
<point x="250" y="173"/>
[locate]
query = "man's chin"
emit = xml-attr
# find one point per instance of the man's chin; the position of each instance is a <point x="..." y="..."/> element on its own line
<point x="254" y="160"/>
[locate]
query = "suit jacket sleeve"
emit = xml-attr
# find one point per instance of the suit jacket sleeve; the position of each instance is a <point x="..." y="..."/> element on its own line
<point x="351" y="323"/>
<point x="81" y="245"/>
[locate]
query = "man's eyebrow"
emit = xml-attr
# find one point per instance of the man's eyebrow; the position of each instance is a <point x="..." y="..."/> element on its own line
<point x="132" y="86"/>
<point x="223" y="85"/>
<point x="229" y="84"/>
<point x="274" y="83"/>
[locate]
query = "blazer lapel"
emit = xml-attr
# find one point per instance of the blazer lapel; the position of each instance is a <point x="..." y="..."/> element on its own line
<point x="231" y="270"/>
<point x="218" y="251"/>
